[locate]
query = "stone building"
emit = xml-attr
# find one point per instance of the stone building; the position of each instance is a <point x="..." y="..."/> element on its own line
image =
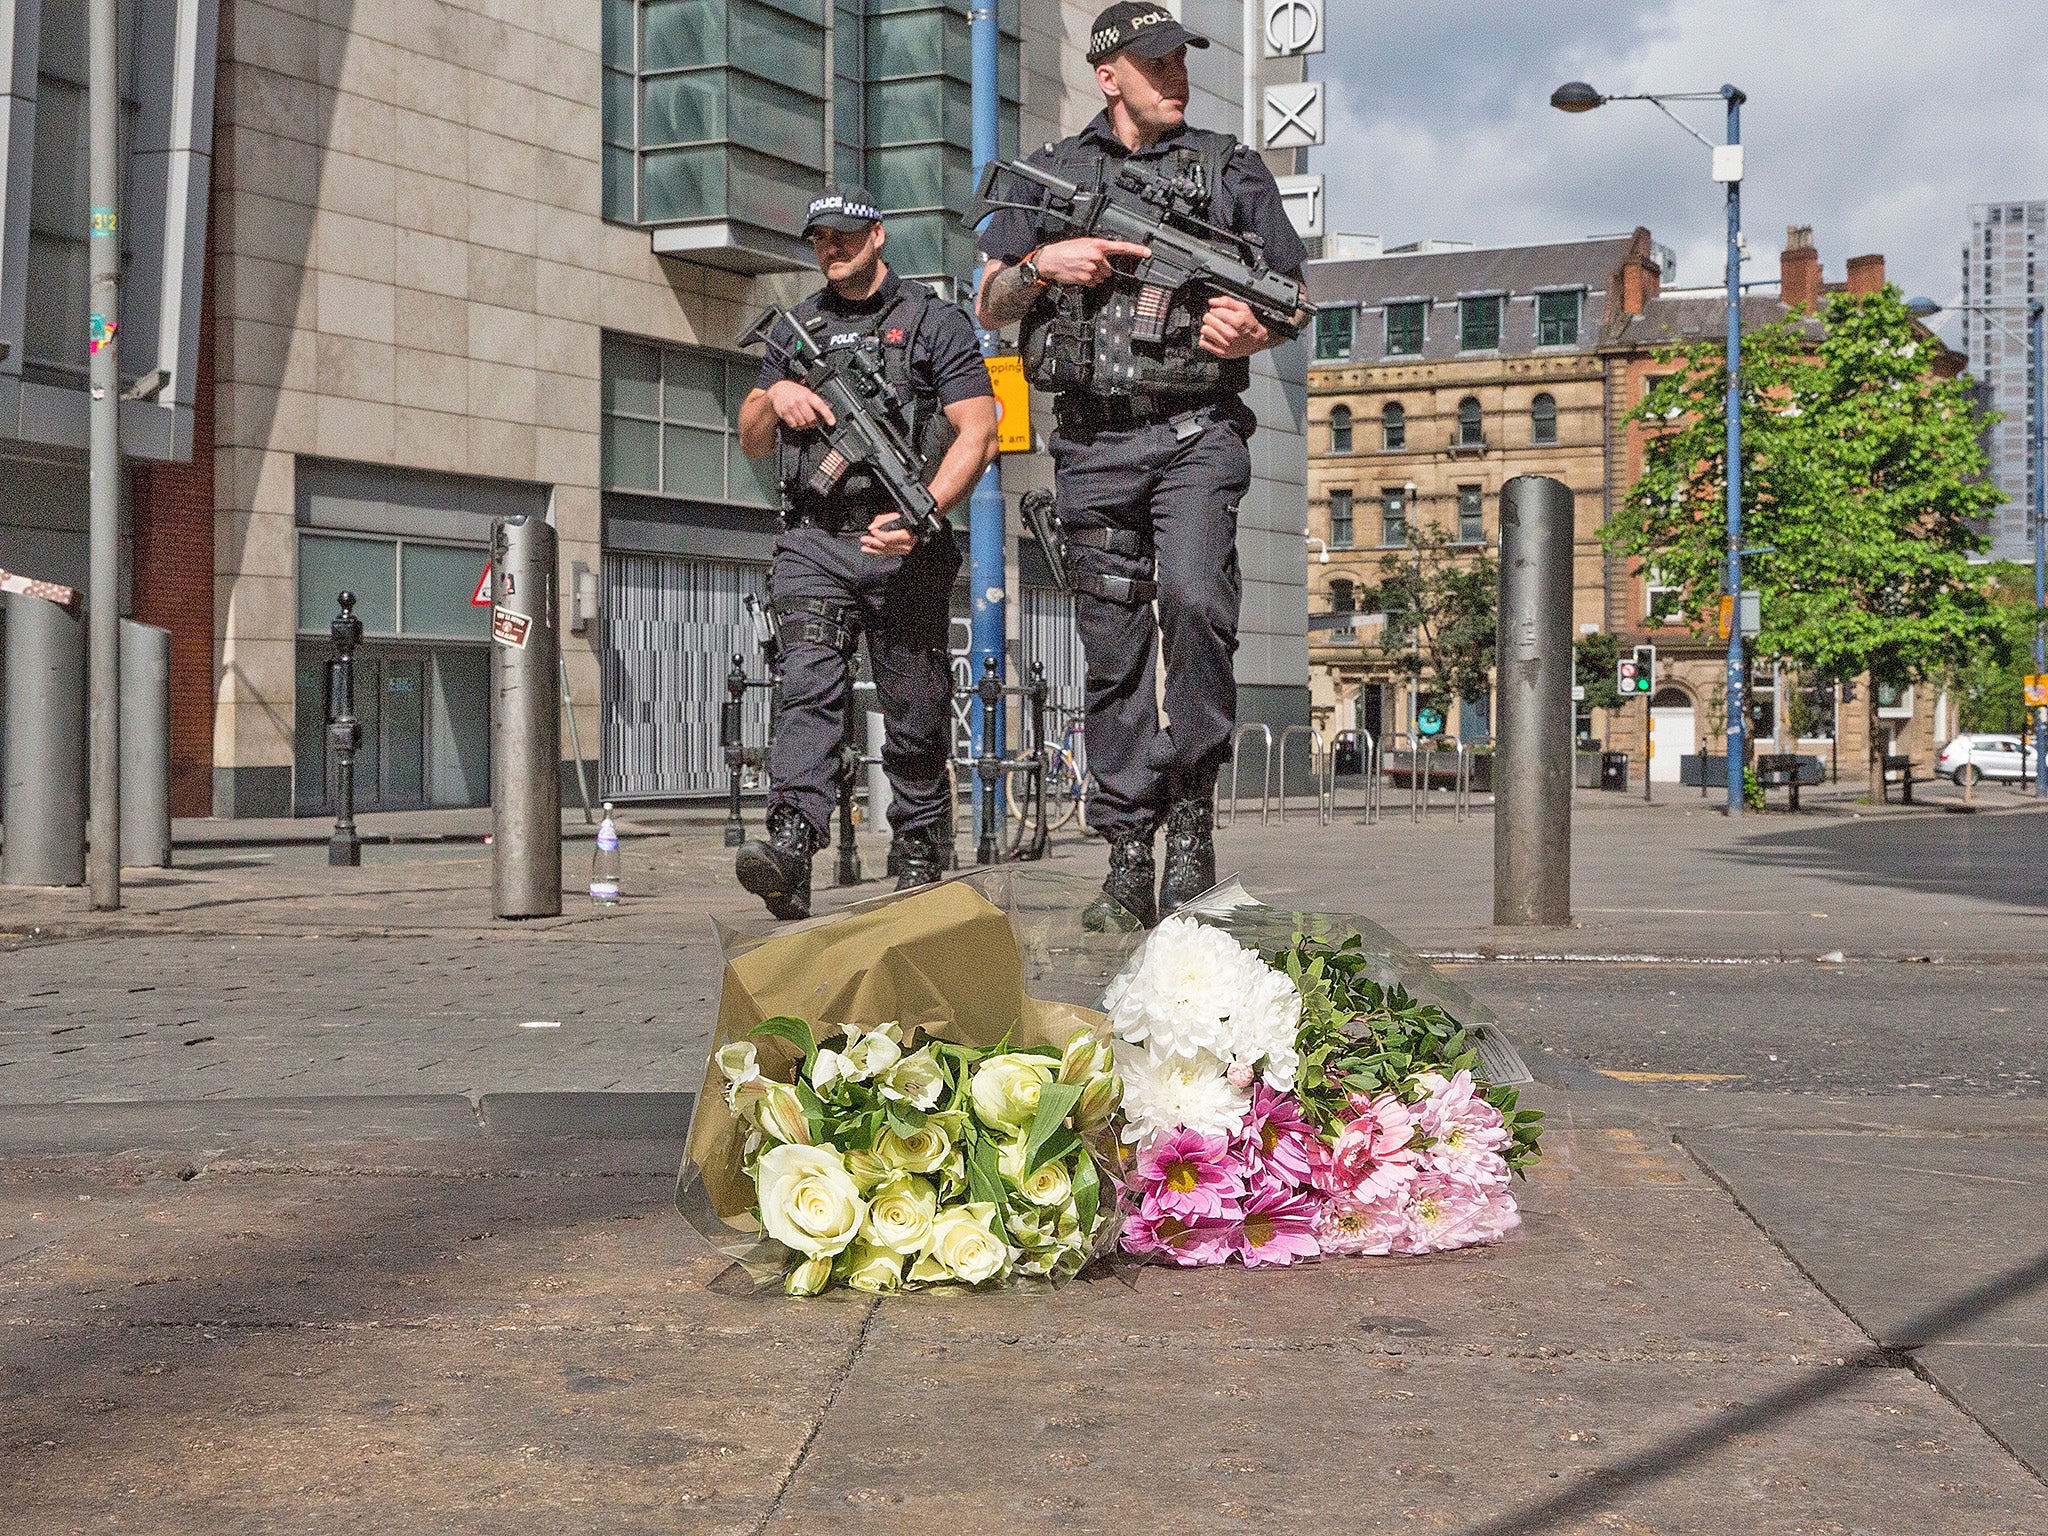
<point x="457" y="259"/>
<point x="1442" y="373"/>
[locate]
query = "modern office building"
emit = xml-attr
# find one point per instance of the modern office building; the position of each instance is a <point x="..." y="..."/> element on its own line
<point x="2005" y="268"/>
<point x="458" y="259"/>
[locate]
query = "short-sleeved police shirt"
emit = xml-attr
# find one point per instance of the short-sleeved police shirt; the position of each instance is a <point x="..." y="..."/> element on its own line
<point x="945" y="353"/>
<point x="1248" y="203"/>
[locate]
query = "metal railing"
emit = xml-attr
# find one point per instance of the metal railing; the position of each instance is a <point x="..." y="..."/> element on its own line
<point x="1315" y="769"/>
<point x="1374" y="773"/>
<point x="1265" y="771"/>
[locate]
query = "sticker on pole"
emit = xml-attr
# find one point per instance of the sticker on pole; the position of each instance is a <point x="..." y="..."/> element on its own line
<point x="2036" y="690"/>
<point x="481" y="597"/>
<point x="509" y="628"/>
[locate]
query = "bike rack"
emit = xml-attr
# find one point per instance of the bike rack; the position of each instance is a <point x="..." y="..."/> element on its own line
<point x="991" y="766"/>
<point x="1373" y="771"/>
<point x="1315" y="767"/>
<point x="1266" y="772"/>
<point x="1421" y="760"/>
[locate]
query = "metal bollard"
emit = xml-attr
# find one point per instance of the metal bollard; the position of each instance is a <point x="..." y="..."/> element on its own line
<point x="526" y="723"/>
<point x="988" y="768"/>
<point x="45" y="790"/>
<point x="145" y="746"/>
<point x="344" y="733"/>
<point x="1532" y="792"/>
<point x="732" y="741"/>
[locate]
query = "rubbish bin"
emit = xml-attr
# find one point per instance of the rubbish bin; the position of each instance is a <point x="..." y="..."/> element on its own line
<point x="1614" y="770"/>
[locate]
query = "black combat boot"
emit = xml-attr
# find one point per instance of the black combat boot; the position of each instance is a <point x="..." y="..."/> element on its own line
<point x="918" y="858"/>
<point x="1126" y="899"/>
<point x="1190" y="853"/>
<point x="778" y="868"/>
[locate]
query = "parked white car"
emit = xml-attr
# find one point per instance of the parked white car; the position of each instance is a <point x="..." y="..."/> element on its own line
<point x="1980" y="756"/>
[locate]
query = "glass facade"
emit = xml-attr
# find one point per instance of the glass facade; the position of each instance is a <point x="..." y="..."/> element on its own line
<point x="671" y="424"/>
<point x="717" y="110"/>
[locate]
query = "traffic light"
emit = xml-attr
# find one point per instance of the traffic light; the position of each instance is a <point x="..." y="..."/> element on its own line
<point x="1636" y="673"/>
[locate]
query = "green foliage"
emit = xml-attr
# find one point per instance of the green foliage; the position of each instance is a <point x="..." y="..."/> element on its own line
<point x="1358" y="1036"/>
<point x="1989" y="685"/>
<point x="1752" y="790"/>
<point x="1447" y="596"/>
<point x="1594" y="658"/>
<point x="1862" y="473"/>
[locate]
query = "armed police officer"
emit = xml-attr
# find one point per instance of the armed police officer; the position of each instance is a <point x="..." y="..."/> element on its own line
<point x="846" y="564"/>
<point x="1151" y="454"/>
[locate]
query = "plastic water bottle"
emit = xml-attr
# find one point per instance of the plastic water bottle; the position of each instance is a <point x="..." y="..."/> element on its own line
<point x="604" y="863"/>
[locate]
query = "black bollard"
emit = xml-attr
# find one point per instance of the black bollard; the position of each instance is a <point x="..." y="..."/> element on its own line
<point x="989" y="766"/>
<point x="849" y="776"/>
<point x="344" y="734"/>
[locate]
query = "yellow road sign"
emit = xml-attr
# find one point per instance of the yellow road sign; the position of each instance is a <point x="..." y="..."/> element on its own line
<point x="1013" y="400"/>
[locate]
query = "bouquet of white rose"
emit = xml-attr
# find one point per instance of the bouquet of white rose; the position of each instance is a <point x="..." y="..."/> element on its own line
<point x="893" y="1162"/>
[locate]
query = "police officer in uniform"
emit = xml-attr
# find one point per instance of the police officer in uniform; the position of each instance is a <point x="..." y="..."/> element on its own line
<point x="845" y="567"/>
<point x="1151" y="454"/>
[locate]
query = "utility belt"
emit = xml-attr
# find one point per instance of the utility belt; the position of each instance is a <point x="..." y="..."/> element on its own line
<point x="1122" y="413"/>
<point x="819" y="621"/>
<point x="1126" y="591"/>
<point x="840" y="515"/>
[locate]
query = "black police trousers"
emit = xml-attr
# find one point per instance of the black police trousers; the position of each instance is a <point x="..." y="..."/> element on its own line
<point x="1180" y="496"/>
<point x="902" y="604"/>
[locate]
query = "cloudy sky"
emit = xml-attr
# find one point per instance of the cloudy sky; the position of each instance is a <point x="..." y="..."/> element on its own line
<point x="1878" y="122"/>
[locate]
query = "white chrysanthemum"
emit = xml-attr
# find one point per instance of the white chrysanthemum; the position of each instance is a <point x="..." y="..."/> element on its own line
<point x="1182" y="990"/>
<point x="1162" y="1093"/>
<point x="1269" y="1026"/>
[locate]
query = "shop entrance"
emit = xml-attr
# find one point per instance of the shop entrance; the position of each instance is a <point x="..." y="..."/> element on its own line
<point x="425" y="714"/>
<point x="1673" y="734"/>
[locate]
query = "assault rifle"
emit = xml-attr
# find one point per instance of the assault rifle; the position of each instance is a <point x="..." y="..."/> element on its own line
<point x="1158" y="212"/>
<point x="866" y="416"/>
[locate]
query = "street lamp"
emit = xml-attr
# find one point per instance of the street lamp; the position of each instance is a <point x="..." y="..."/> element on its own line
<point x="1576" y="96"/>
<point x="1923" y="308"/>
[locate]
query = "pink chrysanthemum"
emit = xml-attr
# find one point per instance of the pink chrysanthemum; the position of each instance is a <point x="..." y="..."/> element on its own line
<point x="1442" y="1214"/>
<point x="1348" y="1225"/>
<point x="1188" y="1244"/>
<point x="1278" y="1136"/>
<point x="1467" y="1135"/>
<point x="1371" y="1159"/>
<point x="1279" y="1226"/>
<point x="1190" y="1177"/>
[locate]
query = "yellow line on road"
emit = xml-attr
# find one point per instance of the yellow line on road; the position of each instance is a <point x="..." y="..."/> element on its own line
<point x="1672" y="1077"/>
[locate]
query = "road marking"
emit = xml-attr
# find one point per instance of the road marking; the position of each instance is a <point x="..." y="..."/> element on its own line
<point x="1671" y="1077"/>
<point x="541" y="1024"/>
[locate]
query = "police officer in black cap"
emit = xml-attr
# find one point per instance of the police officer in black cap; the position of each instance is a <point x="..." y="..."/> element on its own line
<point x="845" y="566"/>
<point x="1150" y="458"/>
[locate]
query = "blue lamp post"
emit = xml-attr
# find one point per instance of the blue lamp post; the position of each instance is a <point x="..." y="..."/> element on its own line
<point x="986" y="545"/>
<point x="1577" y="96"/>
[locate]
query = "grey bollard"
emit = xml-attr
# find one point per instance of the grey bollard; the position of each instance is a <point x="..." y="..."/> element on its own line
<point x="879" y="792"/>
<point x="1532" y="790"/>
<point x="145" y="746"/>
<point x="526" y="722"/>
<point x="45" y="791"/>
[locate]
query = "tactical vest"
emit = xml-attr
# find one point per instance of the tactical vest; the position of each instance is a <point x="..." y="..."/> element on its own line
<point x="1078" y="340"/>
<point x="891" y="333"/>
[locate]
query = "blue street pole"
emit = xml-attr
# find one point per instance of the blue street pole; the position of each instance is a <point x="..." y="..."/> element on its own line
<point x="1737" y="674"/>
<point x="985" y="545"/>
<point x="2040" y="545"/>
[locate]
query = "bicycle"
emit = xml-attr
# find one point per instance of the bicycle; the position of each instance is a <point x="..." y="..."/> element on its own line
<point x="1066" y="780"/>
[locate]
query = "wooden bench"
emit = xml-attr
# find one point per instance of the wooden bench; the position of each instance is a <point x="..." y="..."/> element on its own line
<point x="1788" y="771"/>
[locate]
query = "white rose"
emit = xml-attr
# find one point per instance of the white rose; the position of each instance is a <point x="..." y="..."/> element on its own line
<point x="1010" y="1159"/>
<point x="900" y="1213"/>
<point x="1050" y="1186"/>
<point x="809" y="1201"/>
<point x="874" y="1270"/>
<point x="810" y="1277"/>
<point x="1005" y="1089"/>
<point x="963" y="1247"/>
<point x="922" y="1151"/>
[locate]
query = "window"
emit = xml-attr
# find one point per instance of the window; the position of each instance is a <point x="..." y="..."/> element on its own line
<point x="1471" y="428"/>
<point x="671" y="424"/>
<point x="1333" y="332"/>
<point x="402" y="586"/>
<point x="1763" y="704"/>
<point x="1543" y="419"/>
<point x="1471" y="515"/>
<point x="1479" y="324"/>
<point x="1393" y="428"/>
<point x="1393" y="519"/>
<point x="1557" y="319"/>
<point x="1340" y="519"/>
<point x="1343" y="599"/>
<point x="1405" y="329"/>
<point x="1660" y="600"/>
<point x="1340" y="429"/>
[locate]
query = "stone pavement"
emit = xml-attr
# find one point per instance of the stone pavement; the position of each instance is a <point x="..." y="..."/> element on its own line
<point x="361" y="1255"/>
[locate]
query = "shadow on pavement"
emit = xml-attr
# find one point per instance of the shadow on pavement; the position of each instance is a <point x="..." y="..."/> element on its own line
<point x="2000" y="860"/>
<point x="1678" y="1452"/>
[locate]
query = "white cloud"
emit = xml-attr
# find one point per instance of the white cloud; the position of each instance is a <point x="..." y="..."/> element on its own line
<point x="1878" y="122"/>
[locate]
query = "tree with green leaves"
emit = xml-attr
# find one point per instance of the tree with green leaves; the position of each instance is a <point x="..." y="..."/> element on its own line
<point x="1594" y="658"/>
<point x="1441" y="600"/>
<point x="1990" y="687"/>
<point x="1862" y="472"/>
